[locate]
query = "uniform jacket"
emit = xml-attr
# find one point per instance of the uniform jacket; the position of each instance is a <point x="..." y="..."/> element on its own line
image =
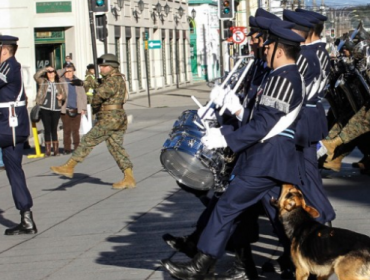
<point x="42" y="81"/>
<point x="111" y="91"/>
<point x="308" y="130"/>
<point x="10" y="86"/>
<point x="279" y="94"/>
<point x="81" y="95"/>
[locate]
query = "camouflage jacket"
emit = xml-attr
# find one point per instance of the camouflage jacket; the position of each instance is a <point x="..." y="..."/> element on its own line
<point x="111" y="91"/>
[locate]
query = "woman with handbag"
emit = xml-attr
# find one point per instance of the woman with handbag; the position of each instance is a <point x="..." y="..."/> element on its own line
<point x="50" y="97"/>
<point x="72" y="109"/>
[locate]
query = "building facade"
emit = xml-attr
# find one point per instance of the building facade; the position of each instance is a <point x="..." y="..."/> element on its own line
<point x="50" y="30"/>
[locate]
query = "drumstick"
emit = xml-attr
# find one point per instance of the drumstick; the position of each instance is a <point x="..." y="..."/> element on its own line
<point x="198" y="125"/>
<point x="196" y="101"/>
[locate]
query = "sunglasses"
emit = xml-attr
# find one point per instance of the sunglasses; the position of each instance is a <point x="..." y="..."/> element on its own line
<point x="68" y="71"/>
<point x="51" y="72"/>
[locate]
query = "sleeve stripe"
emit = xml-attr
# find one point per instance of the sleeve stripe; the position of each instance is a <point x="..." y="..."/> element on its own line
<point x="302" y="65"/>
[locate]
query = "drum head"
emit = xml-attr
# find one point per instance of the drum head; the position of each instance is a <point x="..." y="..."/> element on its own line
<point x="187" y="169"/>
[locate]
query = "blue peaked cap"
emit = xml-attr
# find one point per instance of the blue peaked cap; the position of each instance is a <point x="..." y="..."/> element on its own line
<point x="264" y="23"/>
<point x="300" y="22"/>
<point x="8" y="40"/>
<point x="253" y="26"/>
<point x="319" y="16"/>
<point x="278" y="32"/>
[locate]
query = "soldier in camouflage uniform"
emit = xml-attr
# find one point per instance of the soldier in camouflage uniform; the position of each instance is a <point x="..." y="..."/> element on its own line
<point x="110" y="126"/>
<point x="357" y="126"/>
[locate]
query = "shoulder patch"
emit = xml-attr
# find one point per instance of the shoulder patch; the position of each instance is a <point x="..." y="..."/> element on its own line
<point x="278" y="94"/>
<point x="4" y="70"/>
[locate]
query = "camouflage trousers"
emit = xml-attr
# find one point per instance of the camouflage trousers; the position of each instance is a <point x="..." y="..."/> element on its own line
<point x="113" y="140"/>
<point x="359" y="124"/>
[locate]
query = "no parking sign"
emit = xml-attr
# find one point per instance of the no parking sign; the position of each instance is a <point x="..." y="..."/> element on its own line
<point x="238" y="35"/>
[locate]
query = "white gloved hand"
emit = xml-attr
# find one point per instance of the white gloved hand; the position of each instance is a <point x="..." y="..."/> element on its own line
<point x="206" y="113"/>
<point x="217" y="96"/>
<point x="214" y="132"/>
<point x="214" y="142"/>
<point x="232" y="103"/>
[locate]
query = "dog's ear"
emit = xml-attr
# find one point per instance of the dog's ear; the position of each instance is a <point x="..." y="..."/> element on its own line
<point x="312" y="211"/>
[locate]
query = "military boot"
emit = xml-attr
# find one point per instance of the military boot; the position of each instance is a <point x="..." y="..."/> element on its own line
<point x="334" y="164"/>
<point x="48" y="149"/>
<point x="128" y="182"/>
<point x="66" y="169"/>
<point x="331" y="145"/>
<point x="197" y="268"/>
<point x="27" y="225"/>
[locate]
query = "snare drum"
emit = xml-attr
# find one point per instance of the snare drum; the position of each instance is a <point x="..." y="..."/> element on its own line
<point x="189" y="162"/>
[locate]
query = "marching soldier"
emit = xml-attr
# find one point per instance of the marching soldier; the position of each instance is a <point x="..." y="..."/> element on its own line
<point x="14" y="131"/>
<point x="110" y="125"/>
<point x="278" y="96"/>
<point x="312" y="120"/>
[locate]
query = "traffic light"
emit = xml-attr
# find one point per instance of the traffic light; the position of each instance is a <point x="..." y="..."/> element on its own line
<point x="225" y="9"/>
<point x="101" y="27"/>
<point x="332" y="33"/>
<point x="99" y="6"/>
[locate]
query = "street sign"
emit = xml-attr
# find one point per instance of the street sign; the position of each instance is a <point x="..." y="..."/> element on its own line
<point x="238" y="37"/>
<point x="154" y="44"/>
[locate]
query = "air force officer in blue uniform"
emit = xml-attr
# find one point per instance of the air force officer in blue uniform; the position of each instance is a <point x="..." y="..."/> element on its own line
<point x="14" y="131"/>
<point x="267" y="154"/>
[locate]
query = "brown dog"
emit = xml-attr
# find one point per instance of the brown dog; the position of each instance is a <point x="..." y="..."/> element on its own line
<point x="319" y="249"/>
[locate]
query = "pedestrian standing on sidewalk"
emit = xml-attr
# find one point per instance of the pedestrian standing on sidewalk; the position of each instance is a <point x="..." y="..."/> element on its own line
<point x="50" y="97"/>
<point x="72" y="109"/>
<point x="89" y="82"/>
<point x="110" y="125"/>
<point x="14" y="131"/>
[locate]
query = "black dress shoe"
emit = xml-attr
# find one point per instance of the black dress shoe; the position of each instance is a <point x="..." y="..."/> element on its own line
<point x="67" y="152"/>
<point x="181" y="244"/>
<point x="197" y="268"/>
<point x="27" y="225"/>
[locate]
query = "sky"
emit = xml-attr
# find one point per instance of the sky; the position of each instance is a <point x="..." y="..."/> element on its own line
<point x="339" y="3"/>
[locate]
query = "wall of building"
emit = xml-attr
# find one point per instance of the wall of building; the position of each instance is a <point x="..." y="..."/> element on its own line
<point x="21" y="18"/>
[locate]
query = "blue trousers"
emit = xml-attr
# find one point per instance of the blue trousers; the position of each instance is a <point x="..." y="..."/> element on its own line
<point x="312" y="188"/>
<point x="241" y="193"/>
<point x="12" y="157"/>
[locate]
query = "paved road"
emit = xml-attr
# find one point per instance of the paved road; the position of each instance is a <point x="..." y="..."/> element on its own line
<point x="89" y="231"/>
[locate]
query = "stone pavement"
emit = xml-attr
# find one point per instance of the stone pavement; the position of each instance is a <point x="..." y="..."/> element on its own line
<point x="89" y="231"/>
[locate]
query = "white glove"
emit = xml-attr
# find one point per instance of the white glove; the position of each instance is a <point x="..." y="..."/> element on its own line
<point x="206" y="113"/>
<point x="232" y="103"/>
<point x="214" y="132"/>
<point x="217" y="95"/>
<point x="214" y="142"/>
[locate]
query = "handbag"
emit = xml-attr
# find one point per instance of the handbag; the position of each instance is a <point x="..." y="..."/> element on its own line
<point x="85" y="125"/>
<point x="35" y="113"/>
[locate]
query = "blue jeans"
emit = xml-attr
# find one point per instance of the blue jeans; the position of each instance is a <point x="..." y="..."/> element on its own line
<point x="1" y="158"/>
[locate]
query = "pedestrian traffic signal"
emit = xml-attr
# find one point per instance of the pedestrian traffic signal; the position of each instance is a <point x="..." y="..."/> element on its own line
<point x="99" y="6"/>
<point x="332" y="33"/>
<point x="225" y="9"/>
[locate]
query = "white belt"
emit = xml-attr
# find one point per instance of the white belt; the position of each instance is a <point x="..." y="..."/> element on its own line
<point x="16" y="104"/>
